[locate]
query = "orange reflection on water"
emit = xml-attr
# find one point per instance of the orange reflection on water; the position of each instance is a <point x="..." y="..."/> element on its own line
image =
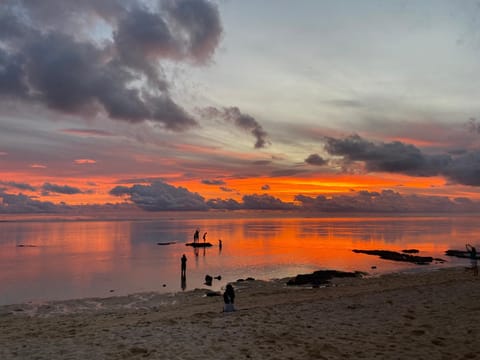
<point x="328" y="243"/>
<point x="55" y="251"/>
<point x="66" y="259"/>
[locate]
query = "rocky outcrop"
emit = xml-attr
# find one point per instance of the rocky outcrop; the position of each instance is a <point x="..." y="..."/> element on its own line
<point x="321" y="277"/>
<point x="396" y="256"/>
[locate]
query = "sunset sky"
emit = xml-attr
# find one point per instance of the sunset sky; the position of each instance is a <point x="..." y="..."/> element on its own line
<point x="195" y="105"/>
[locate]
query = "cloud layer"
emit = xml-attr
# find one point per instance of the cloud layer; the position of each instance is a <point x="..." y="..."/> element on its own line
<point x="48" y="56"/>
<point x="397" y="157"/>
<point x="160" y="196"/>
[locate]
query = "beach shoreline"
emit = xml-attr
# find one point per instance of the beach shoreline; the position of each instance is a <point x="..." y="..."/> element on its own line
<point x="429" y="315"/>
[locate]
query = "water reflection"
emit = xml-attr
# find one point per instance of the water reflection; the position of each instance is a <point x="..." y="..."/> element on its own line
<point x="89" y="258"/>
<point x="183" y="282"/>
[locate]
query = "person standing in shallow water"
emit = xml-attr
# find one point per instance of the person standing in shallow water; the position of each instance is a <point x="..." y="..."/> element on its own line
<point x="196" y="236"/>
<point x="473" y="258"/>
<point x="229" y="299"/>
<point x="184" y="265"/>
<point x="204" y="237"/>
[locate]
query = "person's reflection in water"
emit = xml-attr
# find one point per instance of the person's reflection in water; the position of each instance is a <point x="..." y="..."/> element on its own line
<point x="183" y="282"/>
<point x="195" y="251"/>
<point x="183" y="274"/>
<point x="183" y="260"/>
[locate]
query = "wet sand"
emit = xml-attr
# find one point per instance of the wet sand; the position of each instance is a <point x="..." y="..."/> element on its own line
<point x="426" y="315"/>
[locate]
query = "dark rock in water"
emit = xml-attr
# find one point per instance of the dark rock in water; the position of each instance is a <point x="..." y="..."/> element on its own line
<point x="396" y="256"/>
<point x="373" y="267"/>
<point x="213" y="293"/>
<point x="460" y="254"/>
<point x="321" y="277"/>
<point x="26" y="245"/>
<point x="166" y="243"/>
<point x="410" y="251"/>
<point x="208" y="280"/>
<point x="199" y="244"/>
<point x="249" y="279"/>
<point x="164" y="285"/>
<point x="219" y="277"/>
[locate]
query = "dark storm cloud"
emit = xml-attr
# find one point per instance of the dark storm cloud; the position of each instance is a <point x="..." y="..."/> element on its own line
<point x="20" y="186"/>
<point x="48" y="188"/>
<point x="385" y="201"/>
<point x="461" y="167"/>
<point x="465" y="169"/>
<point x="144" y="36"/>
<point x="251" y="202"/>
<point x="41" y="60"/>
<point x="199" y="24"/>
<point x="15" y="204"/>
<point x="160" y="196"/>
<point x="220" y="204"/>
<point x="265" y="202"/>
<point x="394" y="157"/>
<point x="12" y="79"/>
<point x="213" y="182"/>
<point x="242" y="121"/>
<point x="71" y="14"/>
<point x="315" y="159"/>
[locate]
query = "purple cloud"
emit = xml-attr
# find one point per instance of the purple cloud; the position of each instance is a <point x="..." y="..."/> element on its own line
<point x="48" y="188"/>
<point x="46" y="56"/>
<point x="462" y="167"/>
<point x="213" y="182"/>
<point x="315" y="159"/>
<point x="160" y="196"/>
<point x="17" y="185"/>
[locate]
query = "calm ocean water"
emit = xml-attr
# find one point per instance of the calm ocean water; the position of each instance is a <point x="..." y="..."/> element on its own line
<point x="56" y="260"/>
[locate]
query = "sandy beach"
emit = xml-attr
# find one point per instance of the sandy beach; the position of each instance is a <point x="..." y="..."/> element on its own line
<point x="426" y="315"/>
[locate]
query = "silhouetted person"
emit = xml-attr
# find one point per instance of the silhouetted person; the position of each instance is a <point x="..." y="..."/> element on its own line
<point x="196" y="235"/>
<point x="473" y="258"/>
<point x="204" y="237"/>
<point x="184" y="265"/>
<point x="220" y="244"/>
<point x="229" y="299"/>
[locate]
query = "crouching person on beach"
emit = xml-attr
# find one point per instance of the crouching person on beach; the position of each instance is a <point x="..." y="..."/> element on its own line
<point x="228" y="299"/>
